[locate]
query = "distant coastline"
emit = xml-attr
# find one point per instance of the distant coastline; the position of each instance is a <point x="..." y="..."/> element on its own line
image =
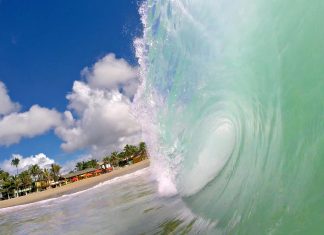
<point x="74" y="187"/>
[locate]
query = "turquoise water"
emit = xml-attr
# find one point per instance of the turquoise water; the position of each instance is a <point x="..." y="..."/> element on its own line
<point x="233" y="110"/>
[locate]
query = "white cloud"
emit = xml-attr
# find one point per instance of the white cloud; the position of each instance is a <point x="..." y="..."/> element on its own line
<point x="98" y="117"/>
<point x="104" y="120"/>
<point x="112" y="73"/>
<point x="6" y="105"/>
<point x="41" y="159"/>
<point x="28" y="124"/>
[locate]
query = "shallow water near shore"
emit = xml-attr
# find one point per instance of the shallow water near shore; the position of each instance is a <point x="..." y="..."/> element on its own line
<point x="128" y="204"/>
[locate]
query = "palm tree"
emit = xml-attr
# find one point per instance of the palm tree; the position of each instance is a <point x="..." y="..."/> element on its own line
<point x="15" y="162"/>
<point x="92" y="163"/>
<point x="142" y="149"/>
<point x="142" y="146"/>
<point x="35" y="171"/>
<point x="106" y="159"/>
<point x="121" y="155"/>
<point x="15" y="182"/>
<point x="7" y="187"/>
<point x="130" y="150"/>
<point x="4" y="183"/>
<point x="113" y="159"/>
<point x="55" y="170"/>
<point x="80" y="166"/>
<point x="3" y="174"/>
<point x="46" y="175"/>
<point x="25" y="179"/>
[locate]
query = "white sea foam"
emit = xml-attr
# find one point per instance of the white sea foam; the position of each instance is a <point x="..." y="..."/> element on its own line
<point x="146" y="104"/>
<point x="122" y="178"/>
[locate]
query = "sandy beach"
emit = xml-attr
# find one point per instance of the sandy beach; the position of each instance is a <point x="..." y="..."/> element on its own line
<point x="73" y="187"/>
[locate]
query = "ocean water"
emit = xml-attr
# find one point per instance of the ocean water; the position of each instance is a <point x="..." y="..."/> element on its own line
<point x="126" y="205"/>
<point x="232" y="110"/>
<point x="232" y="104"/>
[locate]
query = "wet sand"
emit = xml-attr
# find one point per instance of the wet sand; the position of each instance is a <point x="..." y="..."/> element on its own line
<point x="73" y="187"/>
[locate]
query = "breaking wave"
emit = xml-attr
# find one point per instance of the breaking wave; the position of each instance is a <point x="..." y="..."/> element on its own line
<point x="232" y="108"/>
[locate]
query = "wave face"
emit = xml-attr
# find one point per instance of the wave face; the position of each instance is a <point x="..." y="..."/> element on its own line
<point x="233" y="110"/>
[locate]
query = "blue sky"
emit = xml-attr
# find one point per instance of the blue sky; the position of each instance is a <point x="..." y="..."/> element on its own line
<point x="44" y="46"/>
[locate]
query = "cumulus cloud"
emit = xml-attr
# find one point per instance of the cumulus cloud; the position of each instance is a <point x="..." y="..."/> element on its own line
<point x="104" y="121"/>
<point x="112" y="73"/>
<point x="41" y="159"/>
<point x="28" y="124"/>
<point x="98" y="117"/>
<point x="6" y="105"/>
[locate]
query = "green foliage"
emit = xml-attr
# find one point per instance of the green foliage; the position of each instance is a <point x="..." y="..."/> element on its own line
<point x="35" y="172"/>
<point x="5" y="183"/>
<point x="55" y="171"/>
<point x="80" y="166"/>
<point x="114" y="159"/>
<point x="15" y="183"/>
<point x="129" y="151"/>
<point x="142" y="147"/>
<point x="25" y="179"/>
<point x="92" y="163"/>
<point x="15" y="162"/>
<point x="46" y="175"/>
<point x="121" y="155"/>
<point x="7" y="187"/>
<point x="4" y="175"/>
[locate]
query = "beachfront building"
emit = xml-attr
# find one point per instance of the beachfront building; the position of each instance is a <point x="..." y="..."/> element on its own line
<point x="105" y="166"/>
<point x="55" y="184"/>
<point x="101" y="168"/>
<point x="78" y="175"/>
<point x="8" y="191"/>
<point x="22" y="191"/>
<point x="138" y="158"/>
<point x="41" y="185"/>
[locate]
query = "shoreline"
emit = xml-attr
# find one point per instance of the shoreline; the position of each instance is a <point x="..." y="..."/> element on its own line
<point x="73" y="187"/>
